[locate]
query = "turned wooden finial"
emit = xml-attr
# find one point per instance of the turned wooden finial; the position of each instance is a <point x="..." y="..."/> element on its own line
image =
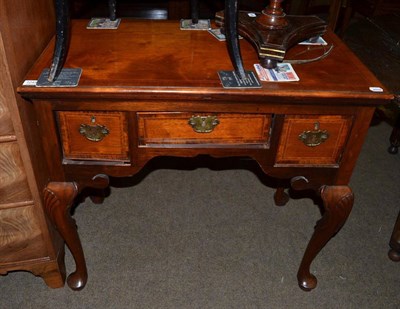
<point x="273" y="17"/>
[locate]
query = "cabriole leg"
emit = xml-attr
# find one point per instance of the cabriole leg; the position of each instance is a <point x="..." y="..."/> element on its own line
<point x="281" y="197"/>
<point x="58" y="199"/>
<point x="337" y="202"/>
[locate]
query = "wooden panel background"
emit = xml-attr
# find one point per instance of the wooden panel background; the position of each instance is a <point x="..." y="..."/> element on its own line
<point x="19" y="231"/>
<point x="26" y="27"/>
<point x="13" y="183"/>
<point x="6" y="127"/>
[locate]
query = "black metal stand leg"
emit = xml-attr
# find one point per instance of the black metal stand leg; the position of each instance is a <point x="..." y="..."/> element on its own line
<point x="62" y="38"/>
<point x="112" y="5"/>
<point x="194" y="9"/>
<point x="395" y="137"/>
<point x="231" y="33"/>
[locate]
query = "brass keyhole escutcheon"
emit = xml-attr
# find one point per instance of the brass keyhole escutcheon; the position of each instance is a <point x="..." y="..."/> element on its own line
<point x="203" y="124"/>
<point x="93" y="132"/>
<point x="314" y="137"/>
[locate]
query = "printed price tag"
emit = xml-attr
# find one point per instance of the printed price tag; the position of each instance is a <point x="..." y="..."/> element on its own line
<point x="284" y="72"/>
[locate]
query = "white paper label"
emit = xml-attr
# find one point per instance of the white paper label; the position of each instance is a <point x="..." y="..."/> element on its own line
<point x="29" y="82"/>
<point x="376" y="89"/>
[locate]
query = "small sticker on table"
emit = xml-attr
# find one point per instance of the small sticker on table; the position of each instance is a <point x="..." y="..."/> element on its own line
<point x="66" y="78"/>
<point x="29" y="82"/>
<point x="231" y="79"/>
<point x="376" y="89"/>
<point x="103" y="23"/>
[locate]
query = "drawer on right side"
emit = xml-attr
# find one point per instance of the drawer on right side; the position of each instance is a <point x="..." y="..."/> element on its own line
<point x="317" y="140"/>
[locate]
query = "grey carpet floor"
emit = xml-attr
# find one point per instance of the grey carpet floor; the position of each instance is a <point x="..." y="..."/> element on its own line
<point x="207" y="237"/>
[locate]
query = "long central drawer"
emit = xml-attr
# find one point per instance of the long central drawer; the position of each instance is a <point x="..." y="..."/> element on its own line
<point x="169" y="129"/>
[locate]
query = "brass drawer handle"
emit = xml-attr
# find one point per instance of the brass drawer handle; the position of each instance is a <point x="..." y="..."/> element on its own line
<point x="94" y="132"/>
<point x="314" y="137"/>
<point x="203" y="124"/>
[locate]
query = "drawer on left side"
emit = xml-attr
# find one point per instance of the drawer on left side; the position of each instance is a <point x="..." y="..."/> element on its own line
<point x="100" y="136"/>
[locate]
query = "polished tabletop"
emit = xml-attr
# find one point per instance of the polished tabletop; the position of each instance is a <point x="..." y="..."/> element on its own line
<point x="145" y="56"/>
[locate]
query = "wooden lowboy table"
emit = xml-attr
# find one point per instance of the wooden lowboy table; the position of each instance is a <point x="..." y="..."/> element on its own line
<point x="149" y="89"/>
